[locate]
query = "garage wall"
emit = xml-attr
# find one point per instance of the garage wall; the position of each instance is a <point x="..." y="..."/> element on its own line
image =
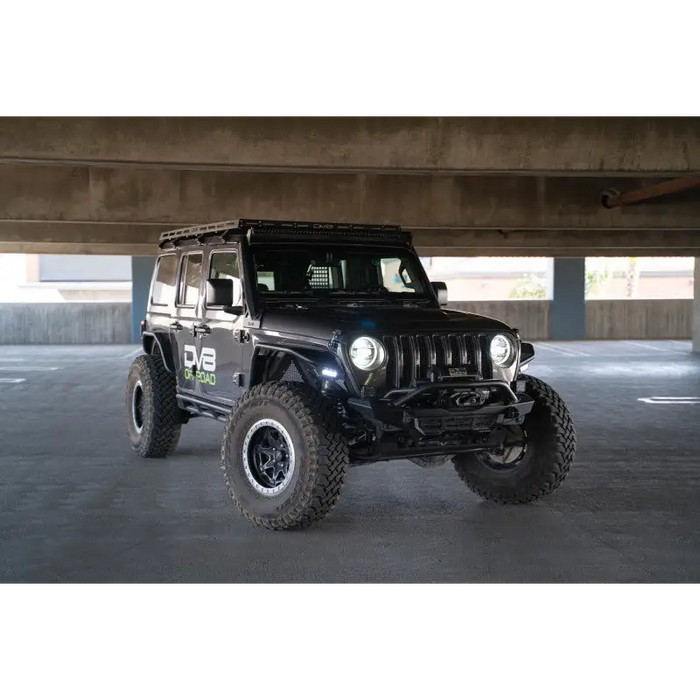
<point x="22" y="324"/>
<point x="616" y="319"/>
<point x="620" y="319"/>
<point x="529" y="316"/>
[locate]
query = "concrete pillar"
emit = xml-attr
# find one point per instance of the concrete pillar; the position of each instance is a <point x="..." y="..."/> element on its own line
<point x="696" y="307"/>
<point x="33" y="263"/>
<point x="567" y="311"/>
<point x="141" y="273"/>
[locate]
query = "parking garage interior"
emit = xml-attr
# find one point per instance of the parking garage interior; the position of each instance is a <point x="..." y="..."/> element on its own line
<point x="78" y="506"/>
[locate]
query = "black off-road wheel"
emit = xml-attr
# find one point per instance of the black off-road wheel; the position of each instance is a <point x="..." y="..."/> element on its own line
<point x="283" y="458"/>
<point x="153" y="418"/>
<point x="536" y="456"/>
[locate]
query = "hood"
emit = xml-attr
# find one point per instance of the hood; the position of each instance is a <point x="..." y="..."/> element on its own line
<point x="320" y="322"/>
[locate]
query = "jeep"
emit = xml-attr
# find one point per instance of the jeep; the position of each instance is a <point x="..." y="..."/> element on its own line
<point x="323" y="346"/>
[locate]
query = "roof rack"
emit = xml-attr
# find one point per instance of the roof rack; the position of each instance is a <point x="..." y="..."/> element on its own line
<point x="181" y="234"/>
<point x="267" y="229"/>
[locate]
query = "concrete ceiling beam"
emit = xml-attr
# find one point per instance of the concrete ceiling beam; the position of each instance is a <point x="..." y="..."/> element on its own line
<point x="142" y="239"/>
<point x="669" y="146"/>
<point x="172" y="198"/>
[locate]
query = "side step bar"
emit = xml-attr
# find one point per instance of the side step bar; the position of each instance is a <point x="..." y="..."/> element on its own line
<point x="201" y="407"/>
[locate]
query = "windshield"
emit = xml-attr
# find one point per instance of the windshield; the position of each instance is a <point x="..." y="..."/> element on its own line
<point x="326" y="272"/>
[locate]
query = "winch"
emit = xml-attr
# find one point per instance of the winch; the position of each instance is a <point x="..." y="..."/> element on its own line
<point x="464" y="398"/>
<point x="473" y="397"/>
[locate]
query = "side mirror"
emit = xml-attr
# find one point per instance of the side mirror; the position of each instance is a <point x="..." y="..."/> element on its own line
<point x="234" y="310"/>
<point x="219" y="292"/>
<point x="440" y="289"/>
<point x="527" y="352"/>
<point x="224" y="292"/>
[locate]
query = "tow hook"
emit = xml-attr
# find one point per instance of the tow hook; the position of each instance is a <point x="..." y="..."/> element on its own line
<point x="513" y="414"/>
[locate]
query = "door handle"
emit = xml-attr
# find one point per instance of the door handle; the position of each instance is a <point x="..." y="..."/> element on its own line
<point x="175" y="326"/>
<point x="202" y="329"/>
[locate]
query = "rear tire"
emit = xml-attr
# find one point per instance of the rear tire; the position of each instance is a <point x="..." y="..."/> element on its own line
<point x="154" y="420"/>
<point x="543" y="465"/>
<point x="283" y="458"/>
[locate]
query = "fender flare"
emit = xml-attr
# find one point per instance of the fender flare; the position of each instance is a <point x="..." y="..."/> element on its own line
<point x="305" y="355"/>
<point x="150" y="340"/>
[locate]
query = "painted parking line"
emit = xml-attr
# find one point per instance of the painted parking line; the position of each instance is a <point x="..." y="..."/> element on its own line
<point x="131" y="354"/>
<point x="568" y="352"/>
<point x="69" y="361"/>
<point x="679" y="400"/>
<point x="12" y="380"/>
<point x="655" y="348"/>
<point x="29" y="369"/>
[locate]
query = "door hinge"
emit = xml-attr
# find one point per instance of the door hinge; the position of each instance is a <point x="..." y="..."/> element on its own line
<point x="241" y="335"/>
<point x="237" y="379"/>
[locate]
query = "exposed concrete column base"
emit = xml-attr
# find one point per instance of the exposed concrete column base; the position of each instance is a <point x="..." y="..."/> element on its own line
<point x="567" y="310"/>
<point x="696" y="307"/>
<point x="141" y="273"/>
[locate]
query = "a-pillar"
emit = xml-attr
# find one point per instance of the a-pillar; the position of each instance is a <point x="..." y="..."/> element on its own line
<point x="141" y="273"/>
<point x="696" y="307"/>
<point x="567" y="310"/>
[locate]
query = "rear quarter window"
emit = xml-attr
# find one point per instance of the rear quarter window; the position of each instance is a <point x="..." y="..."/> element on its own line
<point x="163" y="293"/>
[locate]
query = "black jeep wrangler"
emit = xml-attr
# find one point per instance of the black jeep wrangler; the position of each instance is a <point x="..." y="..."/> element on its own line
<point x="323" y="346"/>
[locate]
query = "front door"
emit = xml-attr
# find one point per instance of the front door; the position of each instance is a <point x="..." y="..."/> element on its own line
<point x="219" y="340"/>
<point x="187" y="309"/>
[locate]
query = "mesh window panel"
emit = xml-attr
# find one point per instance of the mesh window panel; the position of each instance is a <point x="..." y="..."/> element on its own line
<point x="320" y="278"/>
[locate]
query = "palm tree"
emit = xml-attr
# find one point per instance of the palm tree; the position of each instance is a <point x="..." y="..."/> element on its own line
<point x="632" y="277"/>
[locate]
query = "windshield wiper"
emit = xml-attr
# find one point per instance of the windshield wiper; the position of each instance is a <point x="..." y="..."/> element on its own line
<point x="373" y="290"/>
<point x="374" y="294"/>
<point x="289" y="299"/>
<point x="287" y="293"/>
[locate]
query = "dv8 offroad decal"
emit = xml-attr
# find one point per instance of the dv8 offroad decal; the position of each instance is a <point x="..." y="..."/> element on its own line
<point x="201" y="367"/>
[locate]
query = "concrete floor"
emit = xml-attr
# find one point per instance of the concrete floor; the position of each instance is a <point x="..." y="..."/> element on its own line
<point x="77" y="505"/>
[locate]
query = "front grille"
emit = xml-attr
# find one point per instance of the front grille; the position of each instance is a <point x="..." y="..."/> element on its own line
<point x="410" y="356"/>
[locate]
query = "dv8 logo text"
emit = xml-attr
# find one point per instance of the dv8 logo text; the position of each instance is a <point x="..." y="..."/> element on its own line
<point x="200" y="366"/>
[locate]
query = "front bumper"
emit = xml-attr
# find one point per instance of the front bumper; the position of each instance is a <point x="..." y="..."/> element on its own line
<point x="430" y="409"/>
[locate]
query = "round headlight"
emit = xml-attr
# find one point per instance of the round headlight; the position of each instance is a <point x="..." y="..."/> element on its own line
<point x="367" y="354"/>
<point x="502" y="351"/>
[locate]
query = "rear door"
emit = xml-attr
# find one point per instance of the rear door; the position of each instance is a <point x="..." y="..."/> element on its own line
<point x="161" y="303"/>
<point x="220" y="339"/>
<point x="186" y="318"/>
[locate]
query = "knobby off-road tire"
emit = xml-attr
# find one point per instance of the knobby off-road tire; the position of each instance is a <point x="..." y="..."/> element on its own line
<point x="153" y="418"/>
<point x="319" y="455"/>
<point x="551" y="446"/>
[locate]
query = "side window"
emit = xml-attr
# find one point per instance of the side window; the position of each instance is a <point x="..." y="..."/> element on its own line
<point x="190" y="277"/>
<point x="224" y="266"/>
<point x="396" y="277"/>
<point x="266" y="281"/>
<point x="163" y="293"/>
